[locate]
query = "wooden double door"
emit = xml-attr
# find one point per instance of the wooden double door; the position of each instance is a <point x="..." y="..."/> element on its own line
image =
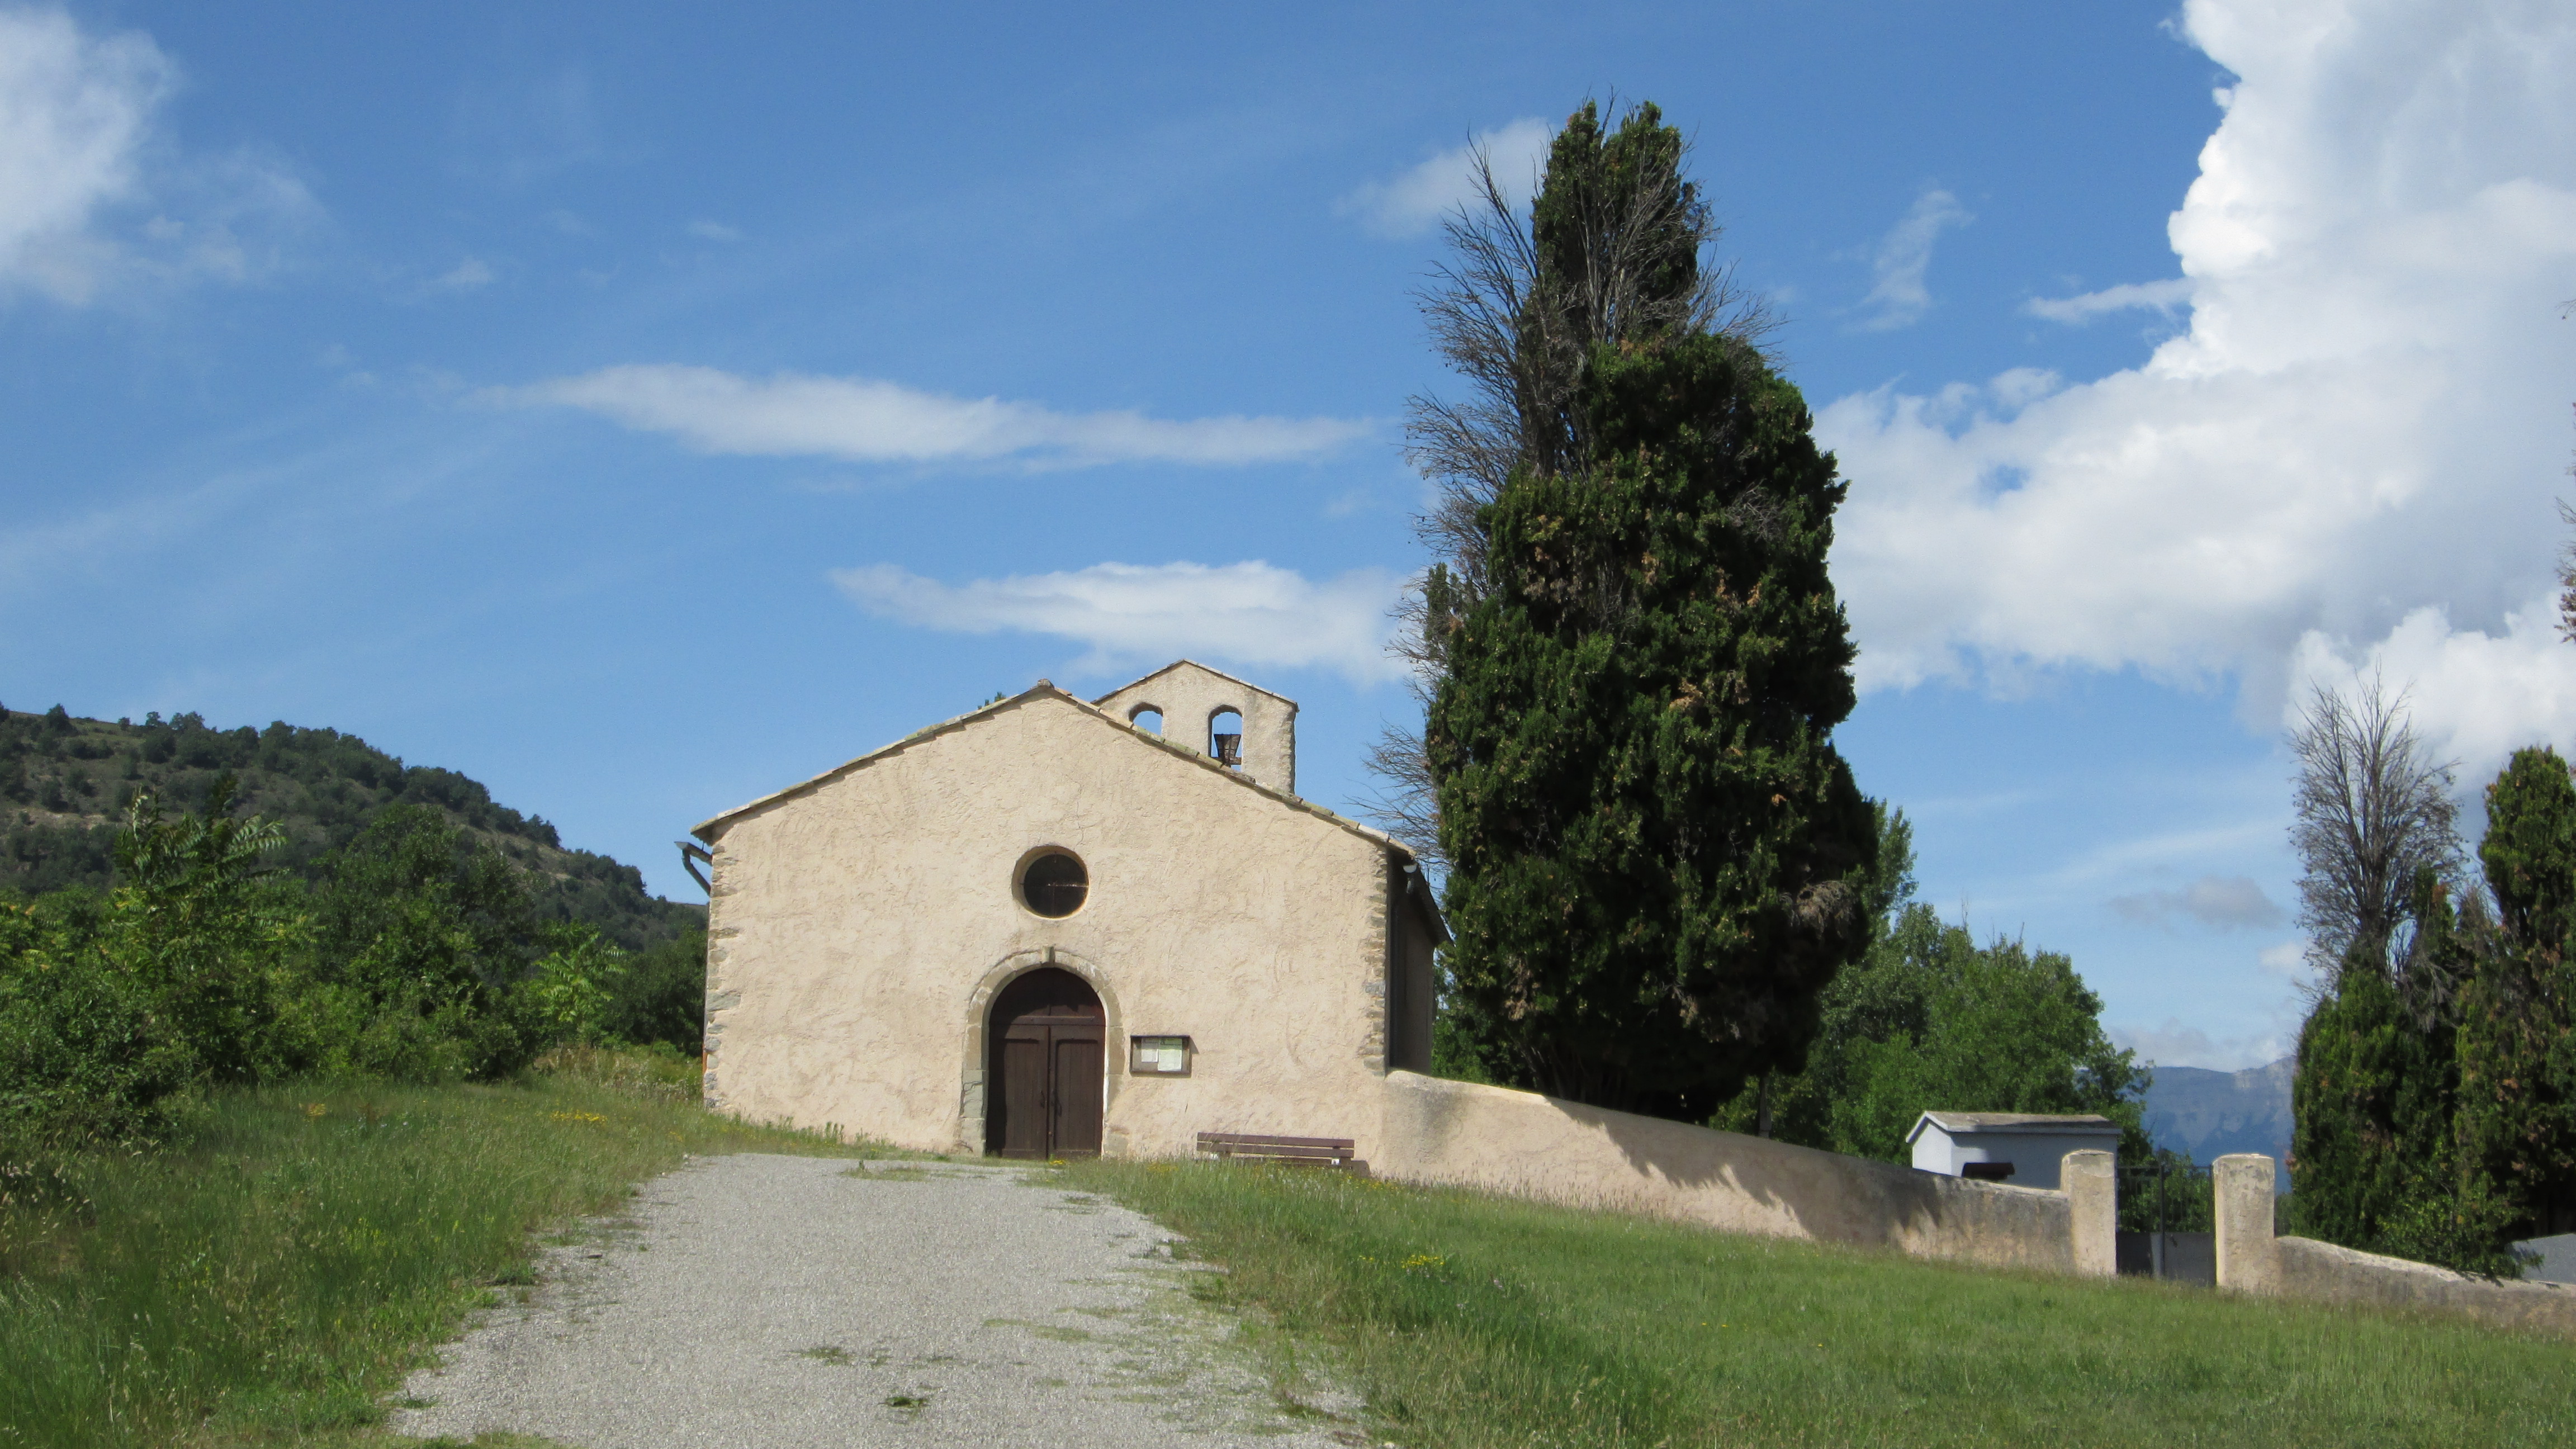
<point x="1049" y="1045"/>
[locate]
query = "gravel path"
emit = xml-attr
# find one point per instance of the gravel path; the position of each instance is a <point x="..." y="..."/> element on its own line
<point x="780" y="1302"/>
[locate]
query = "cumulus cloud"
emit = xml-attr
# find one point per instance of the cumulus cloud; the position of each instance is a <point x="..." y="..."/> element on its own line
<point x="2347" y="455"/>
<point x="1248" y="613"/>
<point x="88" y="201"/>
<point x="864" y="420"/>
<point x="1904" y="255"/>
<point x="2162" y="296"/>
<point x="2227" y="902"/>
<point x="2176" y="1045"/>
<point x="1414" y="201"/>
<point x="74" y="112"/>
<point x="2483" y="694"/>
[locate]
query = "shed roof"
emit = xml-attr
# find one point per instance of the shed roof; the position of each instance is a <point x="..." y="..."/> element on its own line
<point x="2014" y="1123"/>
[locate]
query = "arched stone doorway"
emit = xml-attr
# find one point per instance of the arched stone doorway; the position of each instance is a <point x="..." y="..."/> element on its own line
<point x="1047" y="1043"/>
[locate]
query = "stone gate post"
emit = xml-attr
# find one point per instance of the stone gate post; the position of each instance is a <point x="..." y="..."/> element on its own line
<point x="2090" y="1181"/>
<point x="2242" y="1202"/>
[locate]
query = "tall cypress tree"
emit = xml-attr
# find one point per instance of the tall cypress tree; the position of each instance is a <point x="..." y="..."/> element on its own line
<point x="2369" y="1152"/>
<point x="1657" y="857"/>
<point x="2517" y="1035"/>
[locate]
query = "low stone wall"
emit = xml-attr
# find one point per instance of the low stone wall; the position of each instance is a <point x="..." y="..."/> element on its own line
<point x="1522" y="1144"/>
<point x="2252" y="1259"/>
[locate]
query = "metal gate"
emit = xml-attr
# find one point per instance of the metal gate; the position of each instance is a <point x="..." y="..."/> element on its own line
<point x="2165" y="1222"/>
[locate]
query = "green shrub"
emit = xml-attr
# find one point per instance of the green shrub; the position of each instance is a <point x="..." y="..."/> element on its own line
<point x="661" y="996"/>
<point x="82" y="1055"/>
<point x="419" y="957"/>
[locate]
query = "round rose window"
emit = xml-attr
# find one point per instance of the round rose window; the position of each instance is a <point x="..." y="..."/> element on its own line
<point x="1054" y="884"/>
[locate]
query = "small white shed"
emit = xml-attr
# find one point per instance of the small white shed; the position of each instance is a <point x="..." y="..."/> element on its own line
<point x="2021" y="1148"/>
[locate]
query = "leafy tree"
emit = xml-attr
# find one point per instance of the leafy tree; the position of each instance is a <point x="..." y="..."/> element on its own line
<point x="568" y="994"/>
<point x="421" y="942"/>
<point x="1929" y="1020"/>
<point x="2374" y="1161"/>
<point x="1935" y="1022"/>
<point x="109" y="1012"/>
<point x="662" y="996"/>
<point x="2516" y="1126"/>
<point x="196" y="932"/>
<point x="83" y="1054"/>
<point x="2436" y="1095"/>
<point x="1657" y="857"/>
<point x="2370" y="1151"/>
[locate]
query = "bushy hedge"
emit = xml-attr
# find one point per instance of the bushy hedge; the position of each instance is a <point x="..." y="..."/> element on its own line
<point x="417" y="955"/>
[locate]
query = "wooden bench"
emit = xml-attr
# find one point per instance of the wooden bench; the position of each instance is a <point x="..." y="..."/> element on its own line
<point x="1291" y="1151"/>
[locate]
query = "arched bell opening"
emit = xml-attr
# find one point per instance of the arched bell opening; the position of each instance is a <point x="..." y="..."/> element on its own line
<point x="1225" y="736"/>
<point x="1047" y="1040"/>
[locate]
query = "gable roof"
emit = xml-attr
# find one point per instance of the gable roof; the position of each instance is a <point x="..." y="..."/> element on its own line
<point x="1046" y="690"/>
<point x="1194" y="664"/>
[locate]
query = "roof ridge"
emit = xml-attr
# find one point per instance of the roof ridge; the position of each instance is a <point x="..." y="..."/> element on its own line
<point x="1043" y="686"/>
<point x="1049" y="689"/>
<point x="1194" y="664"/>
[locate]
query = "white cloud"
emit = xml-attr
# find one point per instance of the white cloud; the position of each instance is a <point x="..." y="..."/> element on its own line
<point x="74" y="112"/>
<point x="467" y="276"/>
<point x="1129" y="615"/>
<point x="868" y="421"/>
<point x="90" y="200"/>
<point x="2227" y="902"/>
<point x="2482" y="695"/>
<point x="1904" y="255"/>
<point x="1415" y="201"/>
<point x="714" y="231"/>
<point x="2162" y="296"/>
<point x="2176" y="1045"/>
<point x="2350" y="451"/>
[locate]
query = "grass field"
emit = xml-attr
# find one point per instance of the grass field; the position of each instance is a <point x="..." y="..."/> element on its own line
<point x="270" y="1281"/>
<point x="1470" y="1321"/>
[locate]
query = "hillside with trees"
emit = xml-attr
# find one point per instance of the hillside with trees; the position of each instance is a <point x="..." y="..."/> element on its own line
<point x="67" y="782"/>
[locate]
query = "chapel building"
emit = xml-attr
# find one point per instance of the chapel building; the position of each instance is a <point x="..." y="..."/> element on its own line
<point x="1050" y="928"/>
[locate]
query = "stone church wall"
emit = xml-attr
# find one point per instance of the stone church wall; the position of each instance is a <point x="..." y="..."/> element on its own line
<point x="1523" y="1144"/>
<point x="862" y="925"/>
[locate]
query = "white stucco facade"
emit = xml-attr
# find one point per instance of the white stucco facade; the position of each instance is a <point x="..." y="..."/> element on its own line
<point x="862" y="924"/>
<point x="2033" y="1144"/>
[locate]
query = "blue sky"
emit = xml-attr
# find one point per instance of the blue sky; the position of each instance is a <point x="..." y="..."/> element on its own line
<point x="640" y="408"/>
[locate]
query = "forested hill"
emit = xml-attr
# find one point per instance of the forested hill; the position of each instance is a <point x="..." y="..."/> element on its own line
<point x="65" y="783"/>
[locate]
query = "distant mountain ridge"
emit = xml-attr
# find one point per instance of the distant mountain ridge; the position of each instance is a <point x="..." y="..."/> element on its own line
<point x="65" y="783"/>
<point x="2209" y="1114"/>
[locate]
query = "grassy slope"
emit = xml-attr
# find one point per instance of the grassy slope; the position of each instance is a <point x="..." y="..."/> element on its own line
<point x="270" y="1282"/>
<point x="64" y="788"/>
<point x="1470" y="1321"/>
